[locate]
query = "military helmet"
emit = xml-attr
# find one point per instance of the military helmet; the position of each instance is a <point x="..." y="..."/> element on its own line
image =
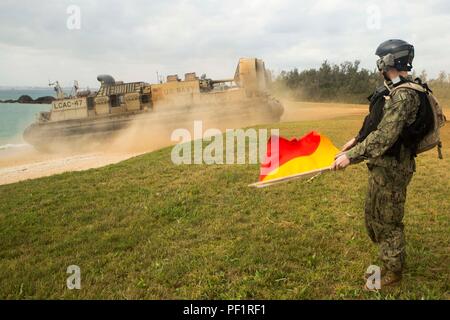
<point x="396" y="54"/>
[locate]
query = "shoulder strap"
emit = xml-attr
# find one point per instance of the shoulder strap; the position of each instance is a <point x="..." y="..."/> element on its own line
<point x="409" y="85"/>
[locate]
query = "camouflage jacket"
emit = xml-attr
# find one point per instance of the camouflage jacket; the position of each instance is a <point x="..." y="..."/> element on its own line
<point x="399" y="111"/>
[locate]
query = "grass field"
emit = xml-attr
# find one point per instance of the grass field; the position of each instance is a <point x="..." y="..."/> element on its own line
<point x="147" y="229"/>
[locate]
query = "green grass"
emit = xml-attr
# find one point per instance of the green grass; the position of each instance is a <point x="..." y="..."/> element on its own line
<point x="147" y="229"/>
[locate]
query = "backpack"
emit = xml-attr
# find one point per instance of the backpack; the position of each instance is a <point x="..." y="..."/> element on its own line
<point x="375" y="115"/>
<point x="429" y="109"/>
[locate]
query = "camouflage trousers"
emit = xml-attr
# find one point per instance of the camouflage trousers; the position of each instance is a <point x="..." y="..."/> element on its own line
<point x="384" y="209"/>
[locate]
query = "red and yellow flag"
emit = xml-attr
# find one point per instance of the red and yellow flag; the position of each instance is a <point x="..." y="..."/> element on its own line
<point x="311" y="152"/>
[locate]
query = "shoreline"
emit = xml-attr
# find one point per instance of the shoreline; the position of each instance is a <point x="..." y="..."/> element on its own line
<point x="27" y="163"/>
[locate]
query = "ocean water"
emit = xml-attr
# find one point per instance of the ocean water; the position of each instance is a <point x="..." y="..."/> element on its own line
<point x="15" y="117"/>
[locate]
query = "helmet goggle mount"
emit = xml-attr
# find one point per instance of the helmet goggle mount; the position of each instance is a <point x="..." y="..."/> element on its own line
<point x="389" y="61"/>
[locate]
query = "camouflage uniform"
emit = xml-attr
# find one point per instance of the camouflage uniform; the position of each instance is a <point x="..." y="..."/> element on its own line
<point x="388" y="177"/>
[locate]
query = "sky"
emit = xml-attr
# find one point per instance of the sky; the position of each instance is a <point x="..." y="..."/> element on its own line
<point x="132" y="40"/>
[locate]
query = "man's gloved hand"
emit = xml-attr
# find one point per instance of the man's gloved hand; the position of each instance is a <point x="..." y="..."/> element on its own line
<point x="350" y="144"/>
<point x="341" y="162"/>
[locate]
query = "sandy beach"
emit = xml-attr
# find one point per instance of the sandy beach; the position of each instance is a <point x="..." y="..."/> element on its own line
<point x="26" y="163"/>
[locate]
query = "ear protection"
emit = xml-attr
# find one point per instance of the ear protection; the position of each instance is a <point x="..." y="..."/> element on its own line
<point x="396" y="60"/>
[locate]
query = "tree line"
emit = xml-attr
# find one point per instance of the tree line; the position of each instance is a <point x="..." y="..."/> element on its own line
<point x="346" y="82"/>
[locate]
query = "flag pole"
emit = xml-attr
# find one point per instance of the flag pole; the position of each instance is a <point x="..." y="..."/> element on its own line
<point x="263" y="184"/>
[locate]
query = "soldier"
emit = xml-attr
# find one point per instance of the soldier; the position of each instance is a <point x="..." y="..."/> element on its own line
<point x="383" y="141"/>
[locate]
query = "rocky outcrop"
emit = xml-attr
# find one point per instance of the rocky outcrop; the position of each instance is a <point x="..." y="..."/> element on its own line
<point x="27" y="99"/>
<point x="44" y="100"/>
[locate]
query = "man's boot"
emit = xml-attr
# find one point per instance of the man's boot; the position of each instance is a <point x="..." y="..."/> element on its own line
<point x="388" y="278"/>
<point x="368" y="274"/>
